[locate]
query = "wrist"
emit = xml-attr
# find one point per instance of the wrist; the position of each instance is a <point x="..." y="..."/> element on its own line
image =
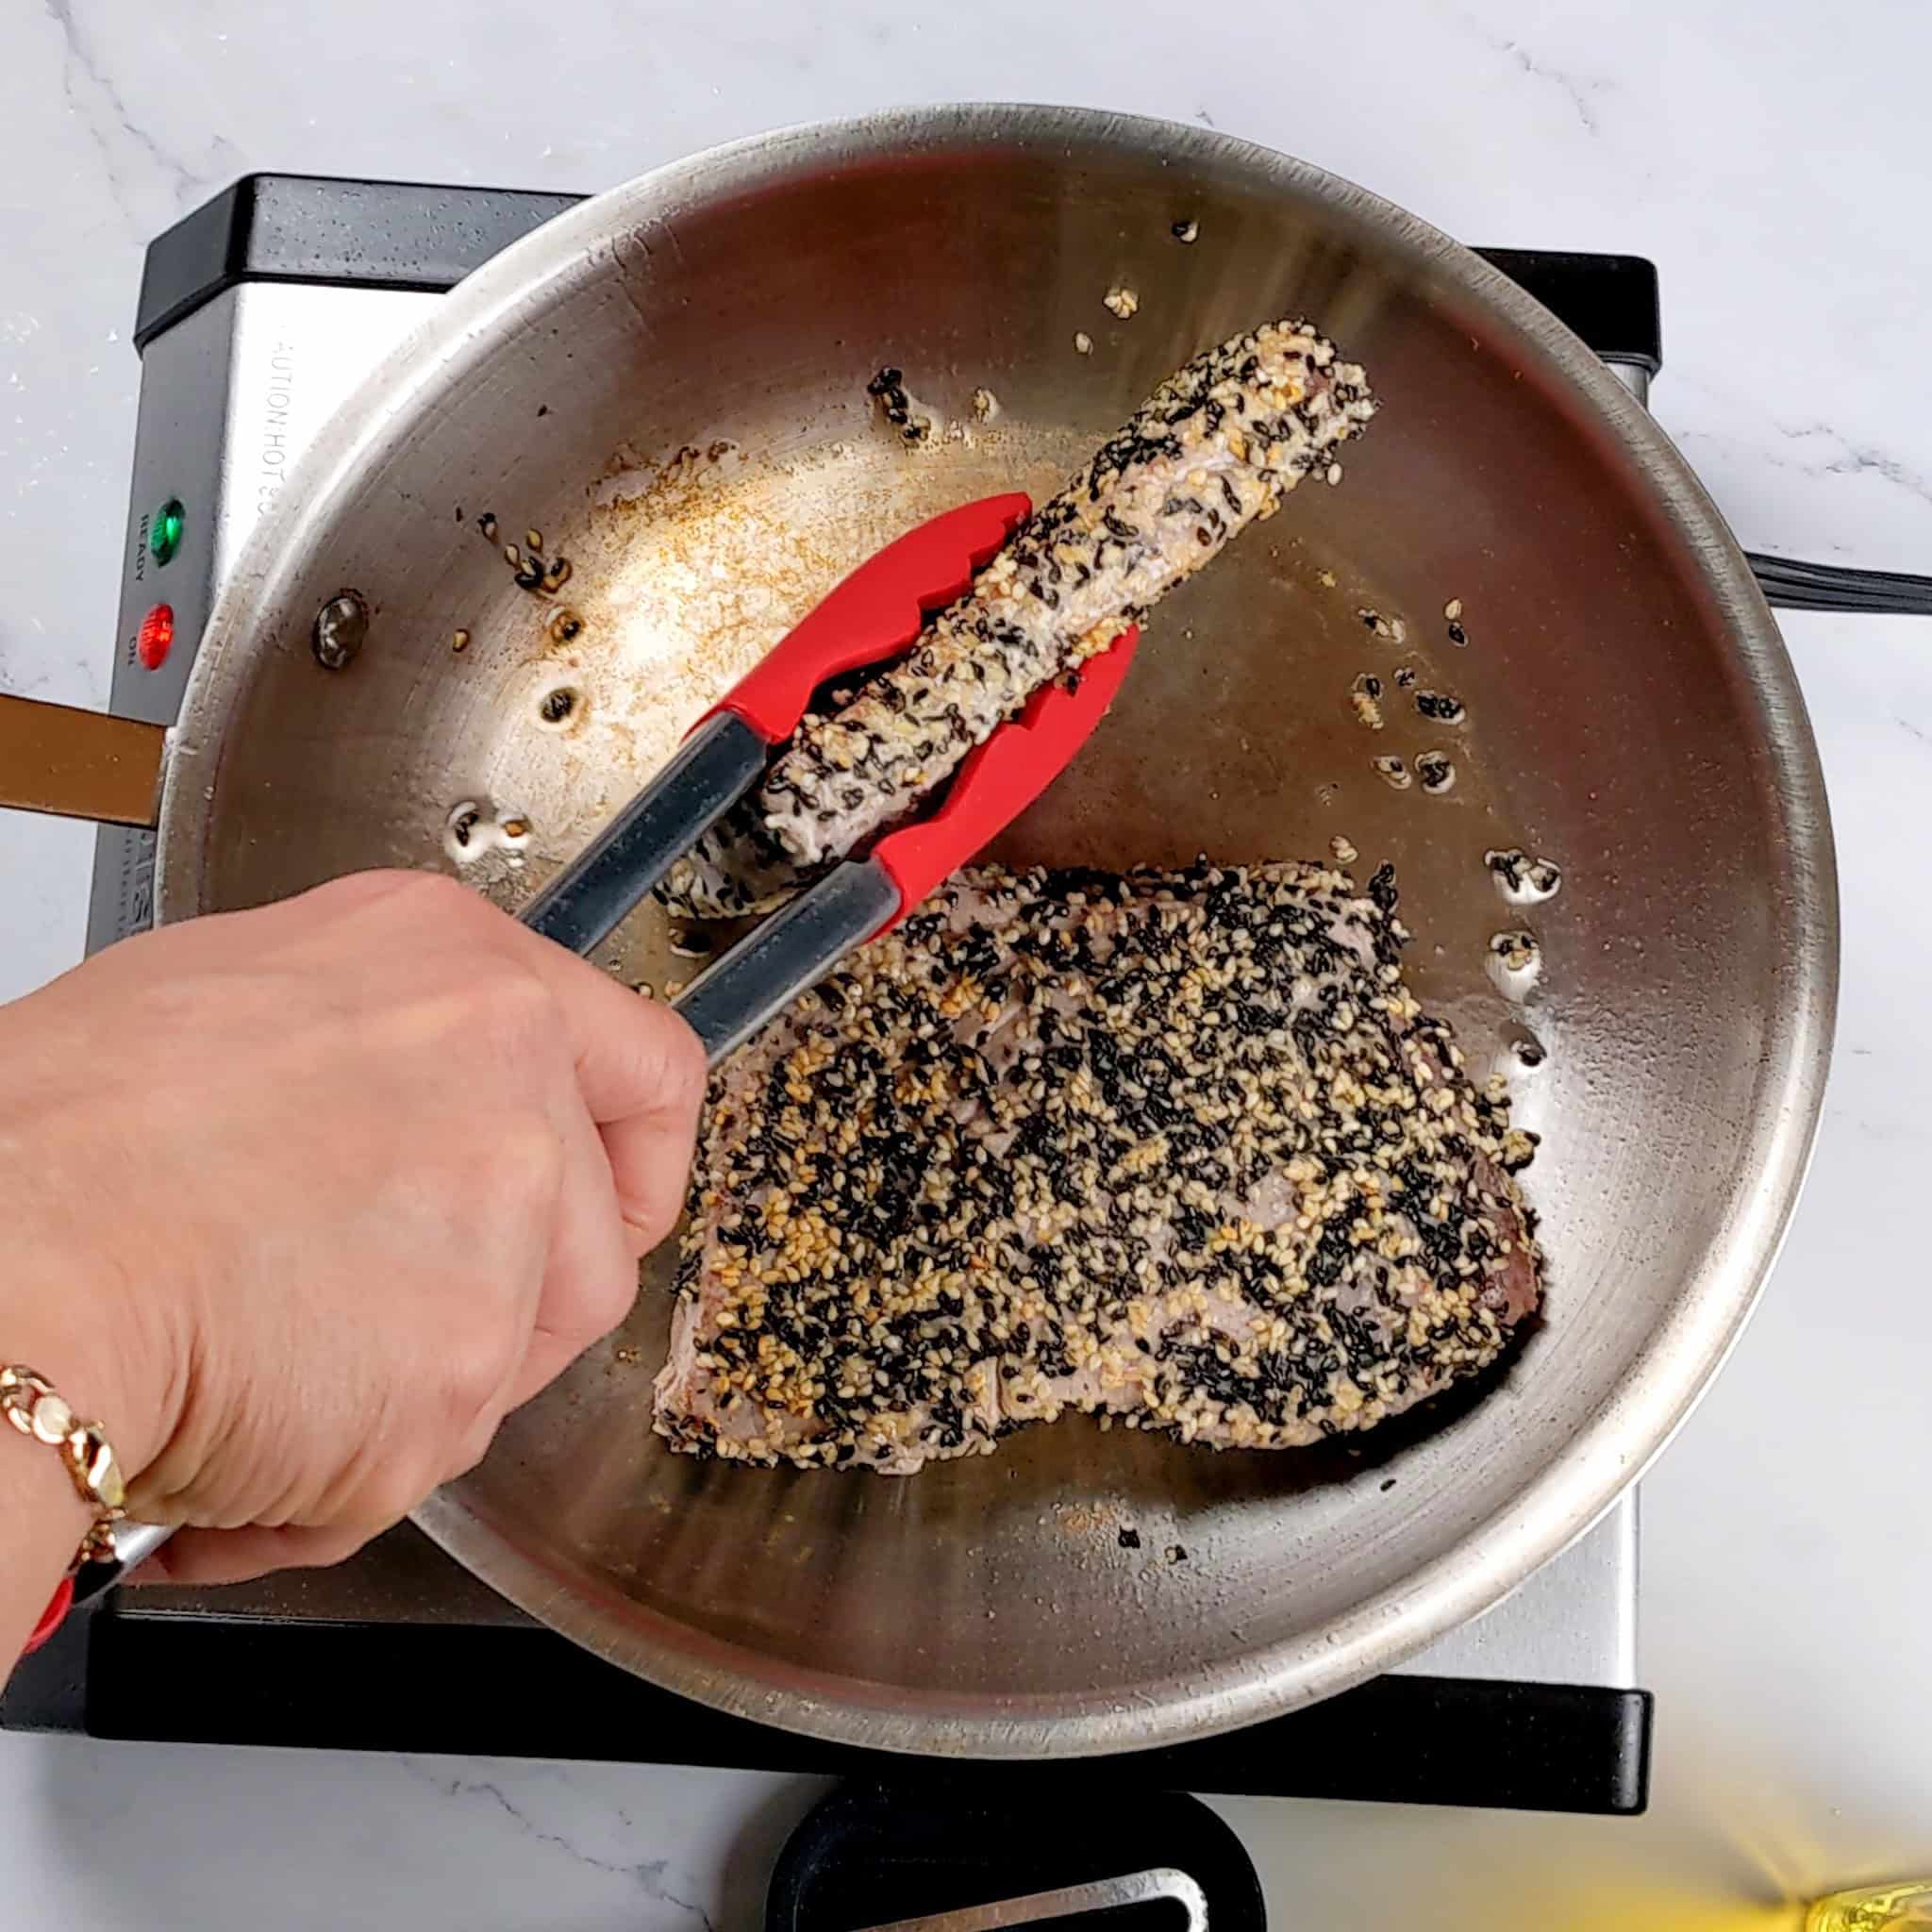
<point x="96" y="1340"/>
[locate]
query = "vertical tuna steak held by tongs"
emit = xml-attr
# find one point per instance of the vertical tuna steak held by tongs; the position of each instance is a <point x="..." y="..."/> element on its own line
<point x="1214" y="449"/>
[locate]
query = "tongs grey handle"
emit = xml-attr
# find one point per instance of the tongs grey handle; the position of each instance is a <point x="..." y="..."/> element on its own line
<point x="712" y="770"/>
<point x="738" y="992"/>
<point x="794" y="949"/>
<point x="1794" y="585"/>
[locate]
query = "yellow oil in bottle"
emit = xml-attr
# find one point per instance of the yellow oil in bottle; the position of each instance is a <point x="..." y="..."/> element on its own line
<point x="1875" y="1908"/>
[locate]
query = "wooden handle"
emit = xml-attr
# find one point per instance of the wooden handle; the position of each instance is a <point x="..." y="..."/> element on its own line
<point x="80" y="764"/>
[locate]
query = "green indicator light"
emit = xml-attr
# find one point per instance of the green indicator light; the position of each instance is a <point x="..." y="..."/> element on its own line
<point x="164" y="530"/>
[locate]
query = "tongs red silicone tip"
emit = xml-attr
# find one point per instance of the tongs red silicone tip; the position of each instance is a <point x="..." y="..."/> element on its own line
<point x="874" y="614"/>
<point x="50" y="1617"/>
<point x="872" y="618"/>
<point x="999" y="780"/>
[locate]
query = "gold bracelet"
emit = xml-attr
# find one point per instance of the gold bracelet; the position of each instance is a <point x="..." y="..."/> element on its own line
<point x="31" y="1404"/>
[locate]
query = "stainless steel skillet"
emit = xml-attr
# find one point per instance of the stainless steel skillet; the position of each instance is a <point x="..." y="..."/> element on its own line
<point x="668" y="386"/>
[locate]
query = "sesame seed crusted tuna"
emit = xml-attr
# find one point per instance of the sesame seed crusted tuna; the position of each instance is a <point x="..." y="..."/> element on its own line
<point x="1178" y="1148"/>
<point x="1213" y="450"/>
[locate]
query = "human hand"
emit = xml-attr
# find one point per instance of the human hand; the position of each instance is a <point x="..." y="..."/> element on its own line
<point x="300" y="1202"/>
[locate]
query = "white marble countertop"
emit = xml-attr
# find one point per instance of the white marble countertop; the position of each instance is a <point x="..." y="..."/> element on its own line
<point x="1773" y="165"/>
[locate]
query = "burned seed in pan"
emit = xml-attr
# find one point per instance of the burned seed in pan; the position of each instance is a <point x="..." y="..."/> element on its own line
<point x="558" y="574"/>
<point x="1457" y="635"/>
<point x="487" y="524"/>
<point x="1435" y="772"/>
<point x="1518" y="951"/>
<point x="557" y="705"/>
<point x="1394" y="772"/>
<point x="1524" y="880"/>
<point x="1404" y="679"/>
<point x="1364" y="696"/>
<point x="1528" y="1053"/>
<point x="1440" y="706"/>
<point x="565" y="625"/>
<point x="1130" y="1539"/>
<point x="474" y="829"/>
<point x="1185" y="231"/>
<point x="887" y="389"/>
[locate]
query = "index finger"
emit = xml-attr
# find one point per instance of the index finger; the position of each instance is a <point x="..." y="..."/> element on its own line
<point x="640" y="1070"/>
<point x="634" y="1056"/>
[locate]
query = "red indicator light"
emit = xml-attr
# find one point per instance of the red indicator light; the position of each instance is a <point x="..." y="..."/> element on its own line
<point x="156" y="638"/>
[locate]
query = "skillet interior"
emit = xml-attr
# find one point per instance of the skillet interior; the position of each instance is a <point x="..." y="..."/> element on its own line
<point x="1629" y="714"/>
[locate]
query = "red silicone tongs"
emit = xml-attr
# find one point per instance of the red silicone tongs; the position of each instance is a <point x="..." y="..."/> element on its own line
<point x="873" y="616"/>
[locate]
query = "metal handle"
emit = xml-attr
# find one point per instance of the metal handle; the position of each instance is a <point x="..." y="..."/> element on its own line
<point x="587" y="901"/>
<point x="795" y="948"/>
<point x="80" y="764"/>
<point x="1793" y="585"/>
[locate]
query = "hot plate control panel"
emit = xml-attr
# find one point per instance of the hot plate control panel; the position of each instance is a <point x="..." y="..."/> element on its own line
<point x="231" y="395"/>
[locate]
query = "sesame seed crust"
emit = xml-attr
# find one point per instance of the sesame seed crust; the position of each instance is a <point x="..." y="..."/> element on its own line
<point x="1178" y="1148"/>
<point x="1214" y="449"/>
